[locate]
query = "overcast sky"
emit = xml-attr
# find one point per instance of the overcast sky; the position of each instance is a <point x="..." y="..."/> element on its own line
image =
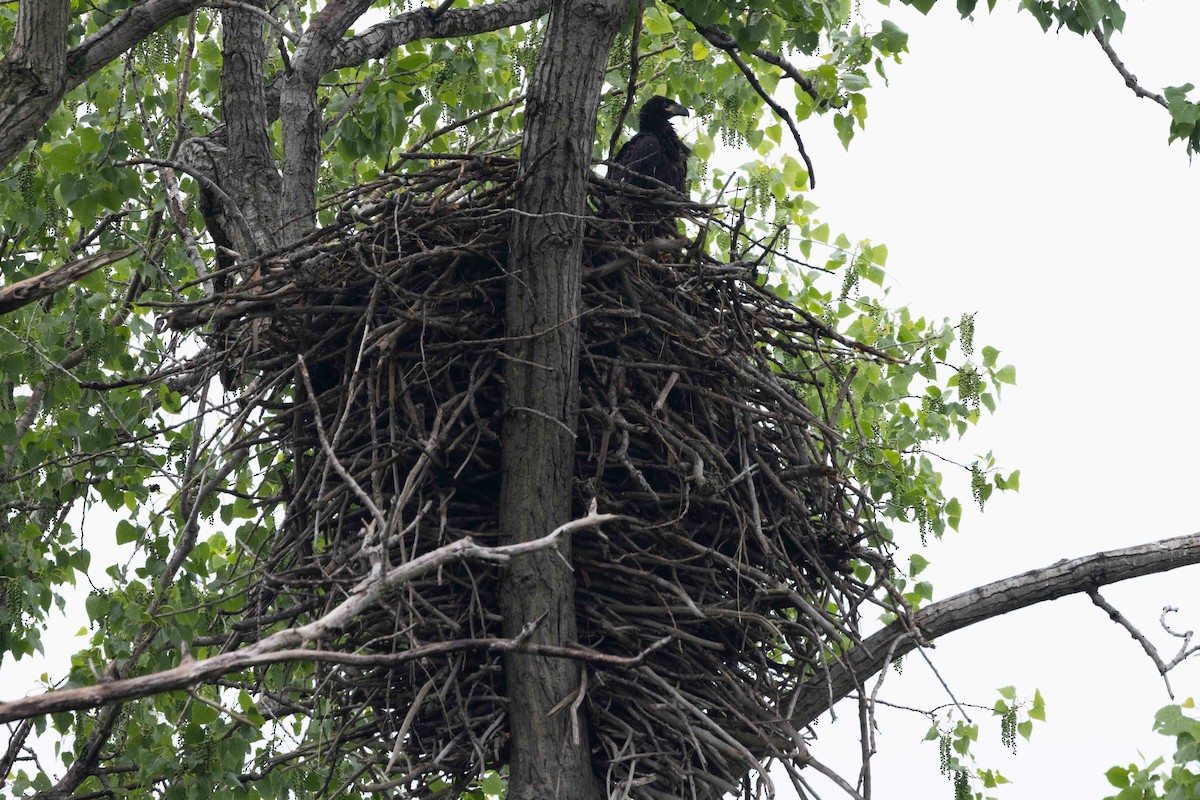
<point x="1011" y="173"/>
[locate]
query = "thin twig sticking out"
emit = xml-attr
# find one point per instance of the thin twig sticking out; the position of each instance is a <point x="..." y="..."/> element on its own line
<point x="635" y="43"/>
<point x="729" y="47"/>
<point x="1152" y="651"/>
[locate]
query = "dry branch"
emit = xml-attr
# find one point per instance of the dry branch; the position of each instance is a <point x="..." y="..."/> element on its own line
<point x="287" y="645"/>
<point x="30" y="290"/>
<point x="992" y="600"/>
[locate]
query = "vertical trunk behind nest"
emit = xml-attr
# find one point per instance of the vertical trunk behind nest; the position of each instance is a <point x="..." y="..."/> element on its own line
<point x="551" y="757"/>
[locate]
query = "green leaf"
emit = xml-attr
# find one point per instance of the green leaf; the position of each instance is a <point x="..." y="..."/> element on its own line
<point x="891" y="39"/>
<point x="845" y="129"/>
<point x="1118" y="777"/>
<point x="493" y="784"/>
<point x="1096" y="10"/>
<point x="97" y="606"/>
<point x="916" y="564"/>
<point x="656" y="24"/>
<point x="127" y="532"/>
<point x="1038" y="711"/>
<point x="203" y="714"/>
<point x="1007" y="374"/>
<point x="920" y="5"/>
<point x="412" y="62"/>
<point x="1013" y="481"/>
<point x="953" y="513"/>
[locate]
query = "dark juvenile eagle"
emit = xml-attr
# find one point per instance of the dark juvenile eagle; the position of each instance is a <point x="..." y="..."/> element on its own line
<point x="656" y="151"/>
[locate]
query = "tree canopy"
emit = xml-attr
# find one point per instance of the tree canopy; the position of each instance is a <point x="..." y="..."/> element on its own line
<point x="141" y="480"/>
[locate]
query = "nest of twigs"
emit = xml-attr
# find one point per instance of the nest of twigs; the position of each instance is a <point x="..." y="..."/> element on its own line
<point x="704" y="400"/>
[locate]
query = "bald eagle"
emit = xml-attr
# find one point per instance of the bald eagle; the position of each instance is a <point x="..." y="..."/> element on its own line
<point x="656" y="151"/>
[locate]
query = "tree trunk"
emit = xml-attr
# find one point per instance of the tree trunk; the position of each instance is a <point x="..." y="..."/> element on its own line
<point x="33" y="72"/>
<point x="551" y="757"/>
<point x="249" y="173"/>
<point x="32" y="75"/>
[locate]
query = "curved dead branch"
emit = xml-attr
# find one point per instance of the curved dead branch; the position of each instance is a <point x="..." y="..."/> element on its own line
<point x="1079" y="575"/>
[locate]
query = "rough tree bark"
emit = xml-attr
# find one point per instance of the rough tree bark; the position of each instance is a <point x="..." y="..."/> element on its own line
<point x="33" y="75"/>
<point x="34" y="69"/>
<point x="550" y="756"/>
<point x="249" y="175"/>
<point x="300" y="114"/>
<point x="323" y="47"/>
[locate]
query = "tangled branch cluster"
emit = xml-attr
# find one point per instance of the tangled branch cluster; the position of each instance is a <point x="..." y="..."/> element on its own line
<point x="375" y="352"/>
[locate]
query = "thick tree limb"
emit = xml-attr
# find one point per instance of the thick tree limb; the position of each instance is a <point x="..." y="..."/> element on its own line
<point x="300" y="116"/>
<point x="27" y="103"/>
<point x="290" y="644"/>
<point x="993" y="600"/>
<point x="246" y="168"/>
<point x="426" y="23"/>
<point x="323" y="47"/>
<point x="33" y="71"/>
<point x="39" y="46"/>
<point x="30" y="290"/>
<point x="130" y="27"/>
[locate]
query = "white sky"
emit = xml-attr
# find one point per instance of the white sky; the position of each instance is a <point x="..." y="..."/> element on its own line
<point x="1031" y="186"/>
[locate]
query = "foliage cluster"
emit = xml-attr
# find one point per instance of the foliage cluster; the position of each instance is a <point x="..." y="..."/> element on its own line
<point x="1156" y="781"/>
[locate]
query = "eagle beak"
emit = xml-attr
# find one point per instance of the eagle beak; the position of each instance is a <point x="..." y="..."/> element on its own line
<point x="677" y="110"/>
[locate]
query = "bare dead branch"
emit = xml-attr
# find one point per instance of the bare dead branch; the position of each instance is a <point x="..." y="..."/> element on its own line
<point x="1185" y="649"/>
<point x="287" y="645"/>
<point x="30" y="290"/>
<point x="1119" y="618"/>
<point x="993" y="600"/>
<point x="426" y="23"/>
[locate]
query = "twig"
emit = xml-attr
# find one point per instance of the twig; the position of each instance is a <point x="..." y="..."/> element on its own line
<point x="380" y="520"/>
<point x="1119" y="618"/>
<point x="635" y="42"/>
<point x="727" y="44"/>
<point x="1130" y="79"/>
<point x="1184" y="650"/>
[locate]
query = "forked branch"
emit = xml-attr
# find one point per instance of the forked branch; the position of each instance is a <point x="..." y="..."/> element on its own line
<point x="290" y="644"/>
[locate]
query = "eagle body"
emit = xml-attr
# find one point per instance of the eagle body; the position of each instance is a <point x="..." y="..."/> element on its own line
<point x="656" y="151"/>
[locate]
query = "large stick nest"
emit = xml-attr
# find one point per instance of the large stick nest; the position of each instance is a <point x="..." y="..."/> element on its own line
<point x="703" y="407"/>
